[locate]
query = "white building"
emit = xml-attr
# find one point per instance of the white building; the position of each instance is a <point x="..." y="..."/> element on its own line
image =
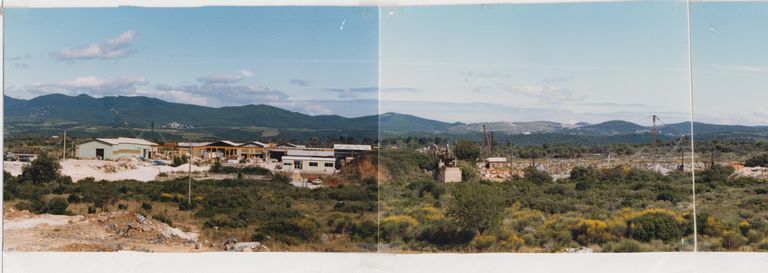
<point x="310" y="165"/>
<point x="115" y="148"/>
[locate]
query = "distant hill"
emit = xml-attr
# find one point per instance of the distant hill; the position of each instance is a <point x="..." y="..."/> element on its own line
<point x="509" y="127"/>
<point x="121" y="116"/>
<point x="613" y="127"/>
<point x="409" y="123"/>
<point x="141" y="111"/>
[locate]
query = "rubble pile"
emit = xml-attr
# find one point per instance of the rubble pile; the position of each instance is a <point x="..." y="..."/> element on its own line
<point x="752" y="172"/>
<point x="104" y="231"/>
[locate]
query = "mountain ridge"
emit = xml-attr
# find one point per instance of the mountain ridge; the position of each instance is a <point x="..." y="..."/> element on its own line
<point x="140" y="111"/>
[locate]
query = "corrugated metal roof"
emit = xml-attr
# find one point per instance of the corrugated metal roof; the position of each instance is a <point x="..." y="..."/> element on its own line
<point x="126" y="140"/>
<point x="355" y="147"/>
<point x="194" y="144"/>
<point x="326" y="153"/>
<point x="308" y="158"/>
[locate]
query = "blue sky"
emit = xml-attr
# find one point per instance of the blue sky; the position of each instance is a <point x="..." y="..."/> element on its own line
<point x="312" y="60"/>
<point x="558" y="62"/>
<point x="730" y="62"/>
<point x="561" y="62"/>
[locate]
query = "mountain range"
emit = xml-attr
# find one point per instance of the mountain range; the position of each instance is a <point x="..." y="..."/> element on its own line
<point x="82" y="111"/>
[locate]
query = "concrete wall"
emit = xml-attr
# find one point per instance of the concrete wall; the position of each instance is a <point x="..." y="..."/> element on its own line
<point x="450" y="174"/>
<point x="127" y="150"/>
<point x="124" y="150"/>
<point x="88" y="150"/>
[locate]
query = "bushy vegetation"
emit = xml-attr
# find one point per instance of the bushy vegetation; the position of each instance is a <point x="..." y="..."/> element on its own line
<point x="618" y="209"/>
<point x="219" y="168"/>
<point x="757" y="161"/>
<point x="278" y="214"/>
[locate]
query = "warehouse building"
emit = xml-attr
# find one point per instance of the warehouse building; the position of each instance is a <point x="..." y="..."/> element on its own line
<point x="116" y="148"/>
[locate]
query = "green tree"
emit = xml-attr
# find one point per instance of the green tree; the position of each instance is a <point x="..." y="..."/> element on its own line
<point x="44" y="169"/>
<point x="757" y="161"/>
<point x="58" y="205"/>
<point x="467" y="150"/>
<point x="654" y="225"/>
<point x="536" y="176"/>
<point x="477" y="207"/>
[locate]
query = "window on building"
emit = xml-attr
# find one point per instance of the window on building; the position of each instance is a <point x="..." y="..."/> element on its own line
<point x="328" y="165"/>
<point x="287" y="164"/>
<point x="313" y="164"/>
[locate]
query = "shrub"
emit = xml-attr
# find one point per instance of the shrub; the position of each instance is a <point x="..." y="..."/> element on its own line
<point x="582" y="185"/>
<point x="754" y="236"/>
<point x="445" y="234"/>
<point x="74" y="198"/>
<point x="580" y="173"/>
<point x="757" y="161"/>
<point x="467" y="150"/>
<point x="483" y="242"/>
<point x="292" y="231"/>
<point x="716" y="174"/>
<point x="356" y="229"/>
<point x="708" y="225"/>
<point x="44" y="169"/>
<point x="162" y="218"/>
<point x="536" y="176"/>
<point x="476" y="207"/>
<point x="58" y="205"/>
<point x="179" y="160"/>
<point x="146" y="206"/>
<point x="25" y="205"/>
<point x="427" y="186"/>
<point x="625" y="245"/>
<point x="588" y="231"/>
<point x="654" y="225"/>
<point x="468" y="171"/>
<point x="733" y="240"/>
<point x="397" y="227"/>
<point x="667" y="196"/>
<point x="259" y="236"/>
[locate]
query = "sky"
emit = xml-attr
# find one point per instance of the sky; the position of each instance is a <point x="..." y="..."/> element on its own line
<point x="315" y="60"/>
<point x="558" y="62"/>
<point x="582" y="62"/>
<point x="730" y="71"/>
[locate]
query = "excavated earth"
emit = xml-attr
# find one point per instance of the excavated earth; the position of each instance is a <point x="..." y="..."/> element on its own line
<point x="105" y="231"/>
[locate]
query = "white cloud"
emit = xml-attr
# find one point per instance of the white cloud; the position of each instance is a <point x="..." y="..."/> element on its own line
<point x="546" y="92"/>
<point x="741" y="68"/>
<point x="245" y="73"/>
<point x="345" y="93"/>
<point x="299" y="82"/>
<point x="91" y="85"/>
<point x="110" y="49"/>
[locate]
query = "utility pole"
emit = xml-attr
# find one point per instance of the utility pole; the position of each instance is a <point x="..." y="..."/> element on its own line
<point x="682" y="157"/>
<point x="64" y="154"/>
<point x="533" y="159"/>
<point x="653" y="132"/>
<point x="189" y="182"/>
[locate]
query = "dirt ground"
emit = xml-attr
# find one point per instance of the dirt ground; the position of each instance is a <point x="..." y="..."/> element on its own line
<point x="109" y="170"/>
<point x="105" y="231"/>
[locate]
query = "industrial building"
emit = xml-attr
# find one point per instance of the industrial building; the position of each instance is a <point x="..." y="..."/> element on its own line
<point x="311" y="165"/>
<point x="116" y="148"/>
